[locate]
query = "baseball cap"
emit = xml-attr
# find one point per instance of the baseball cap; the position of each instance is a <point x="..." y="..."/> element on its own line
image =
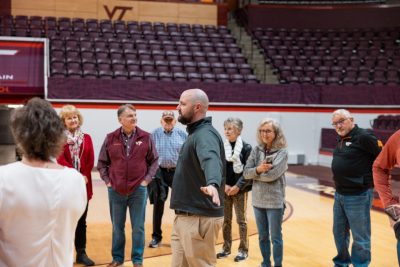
<point x="168" y="114"/>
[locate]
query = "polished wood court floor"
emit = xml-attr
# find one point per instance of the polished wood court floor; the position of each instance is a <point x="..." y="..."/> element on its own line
<point x="307" y="231"/>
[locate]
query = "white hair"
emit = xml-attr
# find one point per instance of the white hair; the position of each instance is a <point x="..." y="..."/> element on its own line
<point x="236" y="122"/>
<point x="343" y="112"/>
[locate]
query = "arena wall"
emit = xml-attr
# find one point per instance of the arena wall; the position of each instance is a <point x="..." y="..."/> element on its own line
<point x="177" y="12"/>
<point x="302" y="127"/>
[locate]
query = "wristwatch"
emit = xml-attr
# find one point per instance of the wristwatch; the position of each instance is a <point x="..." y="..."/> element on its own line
<point x="215" y="185"/>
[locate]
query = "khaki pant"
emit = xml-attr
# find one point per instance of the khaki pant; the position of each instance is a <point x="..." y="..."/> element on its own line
<point x="193" y="241"/>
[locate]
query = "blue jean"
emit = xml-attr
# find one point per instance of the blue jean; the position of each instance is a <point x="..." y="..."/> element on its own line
<point x="269" y="222"/>
<point x="398" y="251"/>
<point x="352" y="213"/>
<point x="136" y="202"/>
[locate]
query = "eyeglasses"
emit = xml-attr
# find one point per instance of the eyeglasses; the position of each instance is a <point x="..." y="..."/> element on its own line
<point x="266" y="131"/>
<point x="340" y="122"/>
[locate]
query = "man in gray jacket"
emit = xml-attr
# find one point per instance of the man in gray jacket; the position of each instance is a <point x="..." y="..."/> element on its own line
<point x="198" y="186"/>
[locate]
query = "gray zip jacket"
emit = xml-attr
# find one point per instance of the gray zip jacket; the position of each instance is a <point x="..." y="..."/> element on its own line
<point x="201" y="162"/>
<point x="269" y="187"/>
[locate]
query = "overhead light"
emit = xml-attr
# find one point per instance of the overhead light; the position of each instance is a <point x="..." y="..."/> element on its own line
<point x="15" y="105"/>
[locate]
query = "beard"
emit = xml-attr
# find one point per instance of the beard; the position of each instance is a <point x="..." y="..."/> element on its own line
<point x="185" y="120"/>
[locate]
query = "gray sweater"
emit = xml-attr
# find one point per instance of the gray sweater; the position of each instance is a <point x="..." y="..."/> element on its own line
<point x="268" y="187"/>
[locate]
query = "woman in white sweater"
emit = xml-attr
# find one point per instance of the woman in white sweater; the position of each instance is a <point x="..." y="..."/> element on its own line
<point x="40" y="201"/>
<point x="266" y="166"/>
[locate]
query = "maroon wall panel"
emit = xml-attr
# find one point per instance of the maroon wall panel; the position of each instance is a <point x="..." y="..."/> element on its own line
<point x="342" y="16"/>
<point x="5" y="7"/>
<point x="158" y="91"/>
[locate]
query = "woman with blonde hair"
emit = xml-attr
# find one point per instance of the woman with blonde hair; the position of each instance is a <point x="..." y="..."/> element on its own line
<point x="40" y="200"/>
<point x="266" y="166"/>
<point x="78" y="154"/>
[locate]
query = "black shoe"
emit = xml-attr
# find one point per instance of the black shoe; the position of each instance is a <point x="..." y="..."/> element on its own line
<point x="223" y="254"/>
<point x="241" y="256"/>
<point x="154" y="243"/>
<point x="82" y="258"/>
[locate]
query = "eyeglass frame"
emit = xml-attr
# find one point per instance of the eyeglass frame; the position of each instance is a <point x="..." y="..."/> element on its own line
<point x="340" y="122"/>
<point x="265" y="132"/>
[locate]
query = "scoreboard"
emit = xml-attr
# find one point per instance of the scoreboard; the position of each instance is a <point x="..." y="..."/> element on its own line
<point x="23" y="66"/>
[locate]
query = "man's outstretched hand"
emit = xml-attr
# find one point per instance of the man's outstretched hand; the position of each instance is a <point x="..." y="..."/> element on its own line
<point x="213" y="192"/>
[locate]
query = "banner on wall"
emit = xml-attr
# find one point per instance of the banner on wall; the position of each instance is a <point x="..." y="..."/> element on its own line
<point x="23" y="67"/>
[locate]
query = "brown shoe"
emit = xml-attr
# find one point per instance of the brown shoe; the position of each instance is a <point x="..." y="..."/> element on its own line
<point x="114" y="264"/>
<point x="138" y="265"/>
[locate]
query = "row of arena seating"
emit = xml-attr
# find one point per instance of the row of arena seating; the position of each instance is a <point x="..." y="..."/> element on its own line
<point x="317" y="80"/>
<point x="77" y="26"/>
<point x="102" y="48"/>
<point x="120" y="34"/>
<point x="150" y="65"/>
<point x="89" y="44"/>
<point x="338" y="75"/>
<point x="383" y="127"/>
<point x="342" y="33"/>
<point x="155" y="76"/>
<point x="332" y="56"/>
<point x="369" y="61"/>
<point x="386" y="122"/>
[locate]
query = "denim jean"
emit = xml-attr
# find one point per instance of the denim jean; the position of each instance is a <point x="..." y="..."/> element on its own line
<point x="136" y="203"/>
<point x="398" y="251"/>
<point x="352" y="213"/>
<point x="269" y="222"/>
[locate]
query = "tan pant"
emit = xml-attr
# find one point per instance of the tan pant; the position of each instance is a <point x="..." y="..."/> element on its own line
<point x="193" y="241"/>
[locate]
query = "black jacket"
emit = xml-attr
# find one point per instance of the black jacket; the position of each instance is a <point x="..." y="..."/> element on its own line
<point x="352" y="161"/>
<point x="233" y="178"/>
<point x="201" y="162"/>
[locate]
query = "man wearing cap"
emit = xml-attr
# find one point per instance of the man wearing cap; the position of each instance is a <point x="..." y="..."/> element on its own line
<point x="168" y="141"/>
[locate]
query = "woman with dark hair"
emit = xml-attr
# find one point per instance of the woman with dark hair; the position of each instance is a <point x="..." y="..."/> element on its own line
<point x="266" y="166"/>
<point x="78" y="154"/>
<point x="40" y="200"/>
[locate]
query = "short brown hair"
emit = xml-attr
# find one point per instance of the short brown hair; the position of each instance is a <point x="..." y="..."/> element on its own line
<point x="37" y="130"/>
<point x="124" y="107"/>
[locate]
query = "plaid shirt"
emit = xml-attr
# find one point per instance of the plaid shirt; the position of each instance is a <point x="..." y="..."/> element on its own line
<point x="168" y="145"/>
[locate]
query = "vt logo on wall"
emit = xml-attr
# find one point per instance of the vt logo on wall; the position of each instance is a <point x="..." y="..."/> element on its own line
<point x="116" y="12"/>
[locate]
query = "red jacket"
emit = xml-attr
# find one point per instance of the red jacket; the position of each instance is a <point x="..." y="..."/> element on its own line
<point x="87" y="161"/>
<point x="384" y="163"/>
<point x="127" y="172"/>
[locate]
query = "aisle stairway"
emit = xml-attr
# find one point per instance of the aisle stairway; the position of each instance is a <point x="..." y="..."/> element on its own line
<point x="251" y="51"/>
